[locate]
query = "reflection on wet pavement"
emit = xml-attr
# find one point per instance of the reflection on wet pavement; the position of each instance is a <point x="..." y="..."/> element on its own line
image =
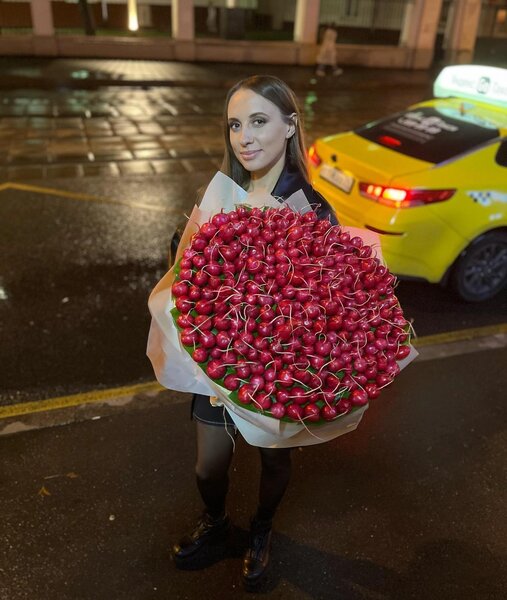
<point x="121" y="131"/>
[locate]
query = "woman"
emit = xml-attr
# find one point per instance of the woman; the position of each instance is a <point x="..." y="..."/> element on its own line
<point x="264" y="152"/>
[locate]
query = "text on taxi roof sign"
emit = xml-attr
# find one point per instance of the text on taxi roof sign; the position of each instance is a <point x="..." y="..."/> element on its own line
<point x="475" y="82"/>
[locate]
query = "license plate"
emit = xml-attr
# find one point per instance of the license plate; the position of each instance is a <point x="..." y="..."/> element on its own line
<point x="338" y="178"/>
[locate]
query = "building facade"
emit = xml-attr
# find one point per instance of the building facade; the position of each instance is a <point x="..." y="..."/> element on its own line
<point x="378" y="33"/>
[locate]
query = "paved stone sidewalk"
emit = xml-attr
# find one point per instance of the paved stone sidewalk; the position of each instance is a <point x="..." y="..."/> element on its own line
<point x="115" y="132"/>
<point x="168" y="118"/>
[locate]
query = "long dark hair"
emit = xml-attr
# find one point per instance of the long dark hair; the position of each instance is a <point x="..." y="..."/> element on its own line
<point x="279" y="93"/>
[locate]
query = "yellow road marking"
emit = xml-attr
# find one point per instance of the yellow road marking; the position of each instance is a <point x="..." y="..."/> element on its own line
<point x="97" y="396"/>
<point x="460" y="335"/>
<point x="86" y="197"/>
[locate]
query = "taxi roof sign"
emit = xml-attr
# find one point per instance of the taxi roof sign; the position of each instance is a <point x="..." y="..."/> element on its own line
<point x="475" y="82"/>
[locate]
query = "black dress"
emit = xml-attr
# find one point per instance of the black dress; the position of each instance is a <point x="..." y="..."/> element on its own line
<point x="290" y="181"/>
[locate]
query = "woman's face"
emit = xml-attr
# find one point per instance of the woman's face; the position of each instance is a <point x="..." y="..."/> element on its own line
<point x="257" y="131"/>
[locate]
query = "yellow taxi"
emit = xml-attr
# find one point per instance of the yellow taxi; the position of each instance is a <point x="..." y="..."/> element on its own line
<point x="431" y="181"/>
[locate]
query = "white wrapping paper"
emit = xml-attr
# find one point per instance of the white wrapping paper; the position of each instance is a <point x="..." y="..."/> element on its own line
<point x="174" y="367"/>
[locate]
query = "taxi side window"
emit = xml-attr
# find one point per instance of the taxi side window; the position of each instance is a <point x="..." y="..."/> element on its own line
<point x="501" y="154"/>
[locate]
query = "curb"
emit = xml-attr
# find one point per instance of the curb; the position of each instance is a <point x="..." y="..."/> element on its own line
<point x="63" y="410"/>
<point x="89" y="406"/>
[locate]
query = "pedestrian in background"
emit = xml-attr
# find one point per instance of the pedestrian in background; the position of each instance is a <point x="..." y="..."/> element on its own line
<point x="264" y="152"/>
<point x="326" y="56"/>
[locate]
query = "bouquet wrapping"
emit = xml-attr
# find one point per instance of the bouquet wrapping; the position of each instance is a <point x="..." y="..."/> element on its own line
<point x="291" y="323"/>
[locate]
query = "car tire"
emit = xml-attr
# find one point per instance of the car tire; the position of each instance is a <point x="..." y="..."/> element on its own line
<point x="480" y="272"/>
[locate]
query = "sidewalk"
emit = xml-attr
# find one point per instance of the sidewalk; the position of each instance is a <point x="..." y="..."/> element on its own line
<point x="77" y="118"/>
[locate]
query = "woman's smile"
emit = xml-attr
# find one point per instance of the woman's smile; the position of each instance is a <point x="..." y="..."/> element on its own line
<point x="249" y="154"/>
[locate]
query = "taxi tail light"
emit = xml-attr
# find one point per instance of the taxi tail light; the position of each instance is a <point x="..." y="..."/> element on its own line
<point x="401" y="197"/>
<point x="313" y="156"/>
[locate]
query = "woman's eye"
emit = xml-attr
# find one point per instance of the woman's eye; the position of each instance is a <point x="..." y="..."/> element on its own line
<point x="234" y="126"/>
<point x="259" y="122"/>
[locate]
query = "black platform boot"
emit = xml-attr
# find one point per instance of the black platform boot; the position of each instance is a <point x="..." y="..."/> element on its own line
<point x="256" y="558"/>
<point x="208" y="530"/>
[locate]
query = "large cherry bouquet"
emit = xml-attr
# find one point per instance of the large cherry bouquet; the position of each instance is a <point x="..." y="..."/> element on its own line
<point x="292" y="322"/>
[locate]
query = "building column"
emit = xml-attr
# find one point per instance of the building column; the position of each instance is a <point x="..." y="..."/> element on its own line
<point x="183" y="30"/>
<point x="183" y="20"/>
<point x="133" y="20"/>
<point x="42" y="17"/>
<point x="44" y="39"/>
<point x="306" y="30"/>
<point x="306" y="23"/>
<point x="420" y="31"/>
<point x="461" y="31"/>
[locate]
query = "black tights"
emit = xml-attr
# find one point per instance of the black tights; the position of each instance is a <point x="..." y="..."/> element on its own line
<point x="214" y="454"/>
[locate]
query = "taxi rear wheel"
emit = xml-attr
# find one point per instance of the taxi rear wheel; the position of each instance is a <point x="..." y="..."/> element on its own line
<point x="481" y="270"/>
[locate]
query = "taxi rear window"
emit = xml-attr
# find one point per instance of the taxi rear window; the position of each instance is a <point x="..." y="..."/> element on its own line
<point x="427" y="134"/>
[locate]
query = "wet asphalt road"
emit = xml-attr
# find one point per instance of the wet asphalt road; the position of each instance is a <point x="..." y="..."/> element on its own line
<point x="76" y="275"/>
<point x="411" y="506"/>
